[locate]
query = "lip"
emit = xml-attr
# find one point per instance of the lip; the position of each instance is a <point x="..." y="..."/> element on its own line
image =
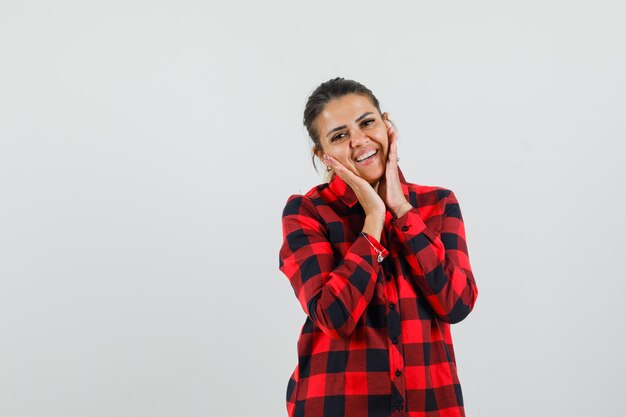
<point x="363" y="152"/>
<point x="369" y="160"/>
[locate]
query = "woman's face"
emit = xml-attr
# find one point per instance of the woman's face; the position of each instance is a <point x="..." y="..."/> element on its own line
<point x="353" y="132"/>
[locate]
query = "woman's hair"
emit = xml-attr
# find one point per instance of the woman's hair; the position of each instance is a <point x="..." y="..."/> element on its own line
<point x="325" y="92"/>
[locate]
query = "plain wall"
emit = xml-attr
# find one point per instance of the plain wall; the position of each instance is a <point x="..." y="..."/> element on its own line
<point x="147" y="149"/>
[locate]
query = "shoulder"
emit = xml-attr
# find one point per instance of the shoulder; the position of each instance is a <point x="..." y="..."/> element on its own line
<point x="305" y="204"/>
<point x="429" y="194"/>
<point x="440" y="199"/>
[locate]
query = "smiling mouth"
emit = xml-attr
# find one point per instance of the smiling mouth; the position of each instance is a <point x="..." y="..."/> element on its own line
<point x="366" y="156"/>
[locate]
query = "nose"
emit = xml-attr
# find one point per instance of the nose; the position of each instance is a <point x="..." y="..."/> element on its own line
<point x="358" y="138"/>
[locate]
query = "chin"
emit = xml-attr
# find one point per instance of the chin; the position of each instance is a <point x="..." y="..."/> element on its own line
<point x="374" y="180"/>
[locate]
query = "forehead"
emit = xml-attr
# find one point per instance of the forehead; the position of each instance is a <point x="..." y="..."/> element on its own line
<point x="344" y="110"/>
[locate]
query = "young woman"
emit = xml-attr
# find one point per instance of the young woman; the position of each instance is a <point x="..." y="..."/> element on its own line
<point x="380" y="267"/>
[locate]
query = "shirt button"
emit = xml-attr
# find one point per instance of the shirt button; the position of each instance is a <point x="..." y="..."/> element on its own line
<point x="394" y="341"/>
<point x="405" y="228"/>
<point x="398" y="373"/>
<point x="392" y="306"/>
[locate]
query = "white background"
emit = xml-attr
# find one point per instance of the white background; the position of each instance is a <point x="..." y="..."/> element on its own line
<point x="147" y="149"/>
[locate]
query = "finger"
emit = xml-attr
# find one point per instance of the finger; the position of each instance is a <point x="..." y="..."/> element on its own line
<point x="391" y="130"/>
<point x="348" y="176"/>
<point x="392" y="153"/>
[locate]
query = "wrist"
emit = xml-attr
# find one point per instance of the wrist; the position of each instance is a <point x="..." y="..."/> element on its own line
<point x="402" y="209"/>
<point x="373" y="226"/>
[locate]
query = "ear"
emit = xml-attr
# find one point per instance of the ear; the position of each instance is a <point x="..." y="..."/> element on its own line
<point x="386" y="119"/>
<point x="318" y="152"/>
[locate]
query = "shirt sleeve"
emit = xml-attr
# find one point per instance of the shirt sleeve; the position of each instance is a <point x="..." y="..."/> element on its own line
<point x="333" y="292"/>
<point x="439" y="263"/>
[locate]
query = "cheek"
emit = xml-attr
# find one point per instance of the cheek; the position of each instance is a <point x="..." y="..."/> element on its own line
<point x="341" y="154"/>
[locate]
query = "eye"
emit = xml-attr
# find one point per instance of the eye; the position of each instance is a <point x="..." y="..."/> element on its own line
<point x="368" y="122"/>
<point x="337" y="137"/>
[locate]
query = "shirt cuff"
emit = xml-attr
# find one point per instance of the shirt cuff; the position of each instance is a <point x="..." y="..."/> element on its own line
<point x="409" y="225"/>
<point x="381" y="251"/>
<point x="408" y="228"/>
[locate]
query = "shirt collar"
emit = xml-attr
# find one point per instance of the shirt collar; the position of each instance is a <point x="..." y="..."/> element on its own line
<point x="343" y="191"/>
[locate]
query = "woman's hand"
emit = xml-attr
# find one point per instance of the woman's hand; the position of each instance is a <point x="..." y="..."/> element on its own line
<point x="389" y="187"/>
<point x="371" y="202"/>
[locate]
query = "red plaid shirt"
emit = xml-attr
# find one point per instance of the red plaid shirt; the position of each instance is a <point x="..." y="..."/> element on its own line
<point x="376" y="340"/>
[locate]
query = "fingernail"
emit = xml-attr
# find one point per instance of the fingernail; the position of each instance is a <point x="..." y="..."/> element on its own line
<point x="326" y="157"/>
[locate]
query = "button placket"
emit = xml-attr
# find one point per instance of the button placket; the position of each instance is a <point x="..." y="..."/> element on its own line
<point x="396" y="350"/>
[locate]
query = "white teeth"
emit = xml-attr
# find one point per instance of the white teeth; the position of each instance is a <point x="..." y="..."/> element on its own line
<point x="365" y="156"/>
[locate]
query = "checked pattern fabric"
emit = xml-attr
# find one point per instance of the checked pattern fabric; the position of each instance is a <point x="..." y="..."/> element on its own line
<point x="376" y="341"/>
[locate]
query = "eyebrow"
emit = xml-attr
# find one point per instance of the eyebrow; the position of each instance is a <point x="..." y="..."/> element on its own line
<point x="361" y="117"/>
